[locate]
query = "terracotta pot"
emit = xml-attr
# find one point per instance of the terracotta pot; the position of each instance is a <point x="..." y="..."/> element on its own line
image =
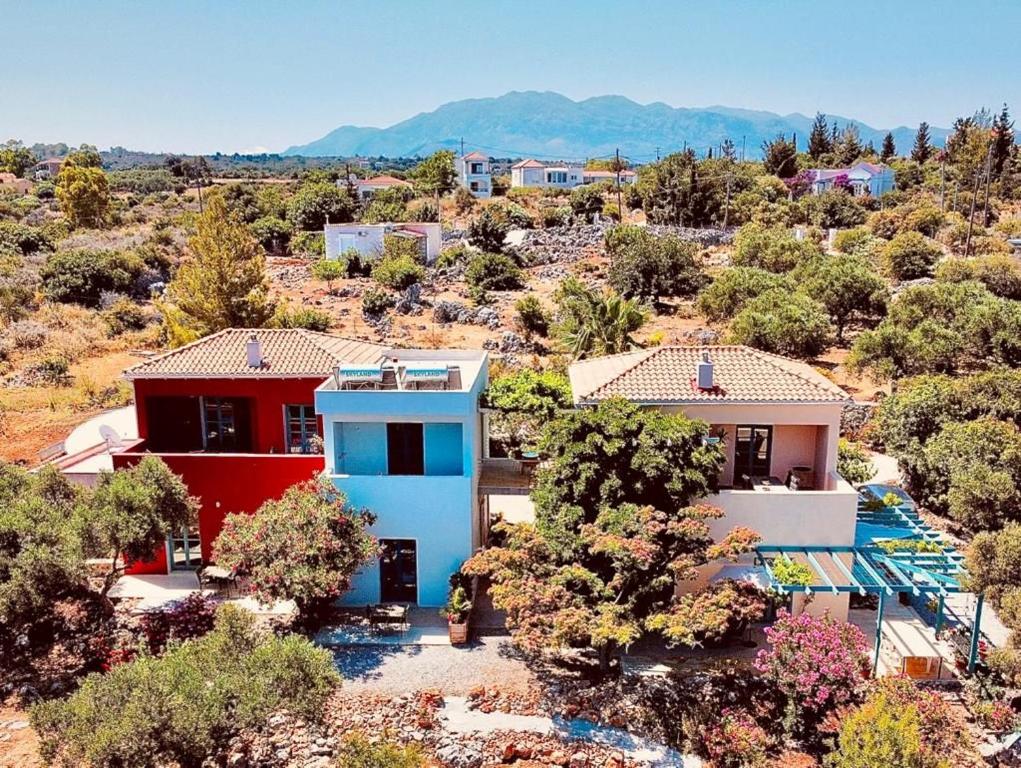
<point x="458" y="632"/>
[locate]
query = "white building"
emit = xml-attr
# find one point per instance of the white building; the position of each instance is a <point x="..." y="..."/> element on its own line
<point x="366" y="188"/>
<point x="369" y="239"/>
<point x="861" y="179"/>
<point x="535" y="173"/>
<point x="475" y="174"/>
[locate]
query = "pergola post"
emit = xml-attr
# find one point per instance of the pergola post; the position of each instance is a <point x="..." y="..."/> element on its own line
<point x="976" y="632"/>
<point x="879" y="632"/>
<point x="939" y="613"/>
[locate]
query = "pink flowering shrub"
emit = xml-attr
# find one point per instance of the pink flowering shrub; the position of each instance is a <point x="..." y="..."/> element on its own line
<point x="817" y="663"/>
<point x="188" y="618"/>
<point x="735" y="741"/>
<point x="996" y="716"/>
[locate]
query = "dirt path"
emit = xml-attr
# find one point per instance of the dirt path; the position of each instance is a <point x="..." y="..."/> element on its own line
<point x="19" y="745"/>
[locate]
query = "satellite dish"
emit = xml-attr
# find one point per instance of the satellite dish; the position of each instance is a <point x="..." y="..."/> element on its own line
<point x="109" y="434"/>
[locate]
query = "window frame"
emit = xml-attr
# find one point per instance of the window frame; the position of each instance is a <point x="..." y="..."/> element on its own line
<point x="305" y="435"/>
<point x="748" y="469"/>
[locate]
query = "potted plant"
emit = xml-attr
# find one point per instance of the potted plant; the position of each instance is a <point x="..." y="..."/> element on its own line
<point x="457" y="610"/>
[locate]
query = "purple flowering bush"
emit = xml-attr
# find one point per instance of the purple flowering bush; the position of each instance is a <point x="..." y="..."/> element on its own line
<point x="817" y="663"/>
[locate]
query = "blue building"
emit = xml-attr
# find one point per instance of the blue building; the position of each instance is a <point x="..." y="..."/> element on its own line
<point x="403" y="437"/>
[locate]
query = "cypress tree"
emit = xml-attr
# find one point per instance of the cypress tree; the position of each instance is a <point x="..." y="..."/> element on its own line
<point x="819" y="139"/>
<point x="922" y="150"/>
<point x="1003" y="139"/>
<point x="889" y="148"/>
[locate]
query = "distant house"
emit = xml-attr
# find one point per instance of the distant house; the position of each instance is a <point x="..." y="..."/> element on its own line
<point x="366" y="188"/>
<point x="48" y="169"/>
<point x="861" y="179"/>
<point x="475" y="174"/>
<point x="11" y="183"/>
<point x="369" y="239"/>
<point x="535" y="173"/>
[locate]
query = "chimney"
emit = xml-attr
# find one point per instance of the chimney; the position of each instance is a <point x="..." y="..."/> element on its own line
<point x="705" y="372"/>
<point x="253" y="348"/>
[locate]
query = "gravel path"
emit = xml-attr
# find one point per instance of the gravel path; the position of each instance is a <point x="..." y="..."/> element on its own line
<point x="453" y="671"/>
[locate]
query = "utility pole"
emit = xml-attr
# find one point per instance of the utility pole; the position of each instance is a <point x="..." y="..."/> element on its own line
<point x="657" y="154"/>
<point x="616" y="166"/>
<point x="462" y="146"/>
<point x="971" y="215"/>
<point x="985" y="206"/>
<point x="742" y="147"/>
<point x="956" y="185"/>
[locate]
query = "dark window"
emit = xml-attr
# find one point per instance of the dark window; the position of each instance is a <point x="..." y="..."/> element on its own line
<point x="185" y="550"/>
<point x="226" y="425"/>
<point x="404" y="449"/>
<point x="398" y="571"/>
<point x="752" y="451"/>
<point x="301" y="428"/>
<point x="174" y="424"/>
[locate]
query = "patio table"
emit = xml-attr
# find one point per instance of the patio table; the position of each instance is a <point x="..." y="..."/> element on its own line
<point x="389" y="615"/>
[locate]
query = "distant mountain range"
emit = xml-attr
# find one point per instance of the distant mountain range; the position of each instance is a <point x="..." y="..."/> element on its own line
<point x="549" y="125"/>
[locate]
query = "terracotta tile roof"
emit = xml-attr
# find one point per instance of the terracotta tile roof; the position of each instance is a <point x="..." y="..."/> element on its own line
<point x="475" y="156"/>
<point x="667" y="375"/>
<point x="529" y="163"/>
<point x="383" y="181"/>
<point x="286" y="352"/>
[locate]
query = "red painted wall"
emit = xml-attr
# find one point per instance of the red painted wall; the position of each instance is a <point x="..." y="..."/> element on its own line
<point x="268" y="398"/>
<point x="230" y="482"/>
<point x="226" y="483"/>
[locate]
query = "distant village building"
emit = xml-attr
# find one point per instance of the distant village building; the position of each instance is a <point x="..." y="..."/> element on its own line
<point x="861" y="179"/>
<point x="366" y="188"/>
<point x="370" y="239"/>
<point x="48" y="169"/>
<point x="474" y="174"/>
<point x="535" y="173"/>
<point x="11" y="183"/>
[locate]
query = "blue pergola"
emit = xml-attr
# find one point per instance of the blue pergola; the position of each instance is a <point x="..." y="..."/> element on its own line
<point x="904" y="565"/>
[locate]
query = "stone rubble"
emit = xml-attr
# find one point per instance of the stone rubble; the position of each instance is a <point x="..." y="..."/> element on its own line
<point x="456" y="312"/>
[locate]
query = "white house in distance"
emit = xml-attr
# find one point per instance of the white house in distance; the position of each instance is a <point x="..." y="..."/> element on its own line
<point x="778" y="421"/>
<point x="366" y="188"/>
<point x="369" y="239"/>
<point x="862" y="178"/>
<point x="535" y="173"/>
<point x="475" y="174"/>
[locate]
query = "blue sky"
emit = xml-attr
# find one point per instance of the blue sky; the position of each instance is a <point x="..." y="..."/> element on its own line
<point x="235" y="75"/>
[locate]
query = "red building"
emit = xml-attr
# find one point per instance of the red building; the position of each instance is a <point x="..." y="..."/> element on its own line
<point x="233" y="415"/>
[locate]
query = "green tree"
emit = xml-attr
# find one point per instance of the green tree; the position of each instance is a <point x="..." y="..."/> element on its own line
<point x="183" y="708"/>
<point x="910" y="255"/>
<point x="1003" y="140"/>
<point x="397" y="272"/>
<point x="133" y="511"/>
<point x="648" y="267"/>
<point x="587" y="200"/>
<point x="41" y="558"/>
<point x="223" y="284"/>
<point x="273" y="234"/>
<point x="593" y="323"/>
<point x="735" y="287"/>
<point x="304" y="546"/>
<point x="84" y="194"/>
<point x="491" y="272"/>
<point x="523" y="402"/>
<point x="770" y="248"/>
<point x="16" y="158"/>
<point x="853" y="462"/>
<point x="833" y="209"/>
<point x="317" y="203"/>
<point x="883" y="732"/>
<point x="82" y="276"/>
<point x="436" y="174"/>
<point x="783" y="323"/>
<point x="819" y="139"/>
<point x="922" y="149"/>
<point x="613" y="529"/>
<point x="86" y="156"/>
<point x="487" y="231"/>
<point x="849" y="148"/>
<point x="846" y="286"/>
<point x="1000" y="273"/>
<point x="889" y="150"/>
<point x="531" y="318"/>
<point x="328" y="270"/>
<point x="780" y="157"/>
<point x="994" y="569"/>
<point x="356" y="751"/>
<point x="388" y="205"/>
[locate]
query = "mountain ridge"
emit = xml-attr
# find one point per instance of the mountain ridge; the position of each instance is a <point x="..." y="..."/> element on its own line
<point x="549" y="125"/>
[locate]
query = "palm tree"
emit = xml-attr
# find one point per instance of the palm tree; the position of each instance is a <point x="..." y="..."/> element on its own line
<point x="594" y="323"/>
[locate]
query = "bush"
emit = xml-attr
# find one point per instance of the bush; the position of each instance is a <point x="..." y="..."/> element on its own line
<point x="817" y="663"/>
<point x="309" y="318"/>
<point x="423" y="210"/>
<point x="775" y="250"/>
<point x="853" y="462"/>
<point x="309" y="244"/>
<point x="329" y="270"/>
<point x="555" y="215"/>
<point x="82" y="276"/>
<point x="23" y="239"/>
<point x="846" y="286"/>
<point x="852" y="241"/>
<point x="735" y="740"/>
<point x="882" y="732"/>
<point x="398" y="272"/>
<point x="356" y="751"/>
<point x="586" y="201"/>
<point x="453" y="255"/>
<point x="464" y="200"/>
<point x="317" y="202"/>
<point x="53" y="370"/>
<point x="376" y="301"/>
<point x="735" y="287"/>
<point x="27" y="334"/>
<point x="645" y="266"/>
<point x="273" y="234"/>
<point x="492" y="272"/>
<point x="910" y="255"/>
<point x="186" y="619"/>
<point x="487" y="232"/>
<point x="784" y="323"/>
<point x="833" y="208"/>
<point x="532" y="318"/>
<point x="1000" y="274"/>
<point x="125" y="315"/>
<point x="184" y="706"/>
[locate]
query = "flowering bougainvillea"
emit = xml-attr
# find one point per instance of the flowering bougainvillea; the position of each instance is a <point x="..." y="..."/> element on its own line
<point x="818" y="663"/>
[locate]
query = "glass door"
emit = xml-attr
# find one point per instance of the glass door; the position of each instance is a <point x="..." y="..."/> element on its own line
<point x="398" y="571"/>
<point x="185" y="550"/>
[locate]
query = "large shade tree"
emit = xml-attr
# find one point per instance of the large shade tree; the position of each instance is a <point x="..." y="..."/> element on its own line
<point x="615" y="529"/>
